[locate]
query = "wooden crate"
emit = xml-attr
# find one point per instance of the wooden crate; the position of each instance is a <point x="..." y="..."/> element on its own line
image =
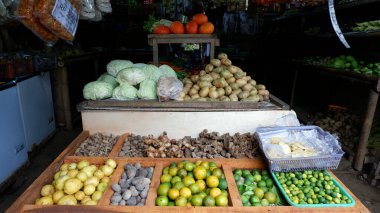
<point x="26" y="200"/>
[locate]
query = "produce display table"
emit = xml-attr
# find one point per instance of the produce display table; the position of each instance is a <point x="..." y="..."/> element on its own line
<point x="25" y="203"/>
<point x="154" y="40"/>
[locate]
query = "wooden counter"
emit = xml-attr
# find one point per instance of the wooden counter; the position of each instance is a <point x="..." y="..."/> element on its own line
<point x="25" y="203"/>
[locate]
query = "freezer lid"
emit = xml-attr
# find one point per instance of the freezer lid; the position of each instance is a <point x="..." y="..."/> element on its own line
<point x="6" y="85"/>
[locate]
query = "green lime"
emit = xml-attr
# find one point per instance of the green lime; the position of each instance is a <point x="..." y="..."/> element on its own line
<point x="173" y="171"/>
<point x="217" y="172"/>
<point x="209" y="201"/>
<point x="181" y="201"/>
<point x="222" y="184"/>
<point x="237" y="177"/>
<point x="189" y="167"/>
<point x="264" y="202"/>
<point x="163" y="189"/>
<point x="269" y="183"/>
<point x="246" y="173"/>
<point x="173" y="165"/>
<point x="182" y="173"/>
<point x="162" y="201"/>
<point x="178" y="185"/>
<point x="261" y="184"/>
<point x="257" y="178"/>
<point x="244" y="199"/>
<point x="194" y="188"/>
<point x="238" y="172"/>
<point x="259" y="192"/>
<point x="196" y="200"/>
<point x="175" y="180"/>
<point x="165" y="170"/>
<point x="254" y="199"/>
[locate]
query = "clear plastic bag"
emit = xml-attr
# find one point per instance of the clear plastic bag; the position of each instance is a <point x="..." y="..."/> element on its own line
<point x="104" y="6"/>
<point x="25" y="14"/>
<point x="65" y="27"/>
<point x="168" y="88"/>
<point x="88" y="10"/>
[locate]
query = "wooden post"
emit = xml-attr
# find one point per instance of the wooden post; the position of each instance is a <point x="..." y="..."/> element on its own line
<point x="366" y="129"/>
<point x="66" y="98"/>
<point x="155" y="52"/>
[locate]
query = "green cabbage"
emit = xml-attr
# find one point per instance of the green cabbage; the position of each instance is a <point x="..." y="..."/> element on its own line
<point x="152" y="72"/>
<point x="139" y="65"/>
<point x="105" y="77"/>
<point x="124" y="92"/>
<point x="97" y="90"/>
<point x="131" y="76"/>
<point x="168" y="71"/>
<point x="147" y="90"/>
<point x="114" y="67"/>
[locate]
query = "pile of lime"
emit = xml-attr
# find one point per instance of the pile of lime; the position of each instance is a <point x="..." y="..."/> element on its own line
<point x="192" y="184"/>
<point x="256" y="188"/>
<point x="311" y="187"/>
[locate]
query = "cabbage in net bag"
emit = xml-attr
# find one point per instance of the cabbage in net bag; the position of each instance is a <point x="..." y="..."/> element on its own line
<point x="25" y="14"/>
<point x="59" y="16"/>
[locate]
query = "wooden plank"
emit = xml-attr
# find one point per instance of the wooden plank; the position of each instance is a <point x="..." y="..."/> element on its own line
<point x="234" y="196"/>
<point x="105" y="200"/>
<point x="45" y="177"/>
<point x="152" y="195"/>
<point x="118" y="146"/>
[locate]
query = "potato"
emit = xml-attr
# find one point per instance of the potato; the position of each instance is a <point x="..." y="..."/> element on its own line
<point x="187" y="98"/>
<point x="261" y="97"/>
<point x="44" y="201"/>
<point x="237" y="91"/>
<point x="207" y="77"/>
<point x="247" y="78"/>
<point x="221" y="92"/>
<point x="218" y="69"/>
<point x="194" y="78"/>
<point x="266" y="97"/>
<point x="204" y="92"/>
<point x="209" y="68"/>
<point x="186" y="81"/>
<point x="202" y="84"/>
<point x="220" y="83"/>
<point x="239" y="75"/>
<point x="253" y="82"/>
<point x="182" y="94"/>
<point x="228" y="90"/>
<point x="241" y="82"/>
<point x="195" y="96"/>
<point x="215" y="62"/>
<point x="196" y="87"/>
<point x="243" y="94"/>
<point x="263" y="92"/>
<point x="226" y="74"/>
<point x="185" y="90"/>
<point x="247" y="87"/>
<point x="252" y="98"/>
<point x="67" y="200"/>
<point x="260" y="87"/>
<point x="224" y="98"/>
<point x="222" y="55"/>
<point x="213" y="94"/>
<point x="193" y="91"/>
<point x="215" y="75"/>
<point x="234" y="86"/>
<point x="253" y="91"/>
<point x="232" y="69"/>
<point x="233" y="97"/>
<point x="202" y="73"/>
<point x="226" y="62"/>
<point x="231" y="80"/>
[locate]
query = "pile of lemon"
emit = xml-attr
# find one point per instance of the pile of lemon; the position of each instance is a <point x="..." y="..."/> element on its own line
<point x="192" y="184"/>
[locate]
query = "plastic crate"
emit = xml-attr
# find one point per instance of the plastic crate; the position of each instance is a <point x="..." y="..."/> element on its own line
<point x="342" y="191"/>
<point x="330" y="161"/>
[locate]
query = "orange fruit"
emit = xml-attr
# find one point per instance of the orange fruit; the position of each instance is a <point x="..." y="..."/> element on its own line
<point x="173" y="194"/>
<point x="180" y="201"/>
<point x="200" y="172"/>
<point x="215" y="192"/>
<point x="161" y="30"/>
<point x="185" y="192"/>
<point x="201" y="184"/>
<point x="187" y="180"/>
<point x="191" y="27"/>
<point x="206" y="28"/>
<point x="200" y="18"/>
<point x="177" y="27"/>
<point x="221" y="200"/>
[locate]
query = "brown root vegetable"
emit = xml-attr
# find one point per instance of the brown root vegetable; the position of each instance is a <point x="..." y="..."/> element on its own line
<point x="260" y="87"/>
<point x="226" y="62"/>
<point x="193" y="92"/>
<point x="220" y="83"/>
<point x="243" y="94"/>
<point x="202" y="73"/>
<point x="221" y="92"/>
<point x="203" y="84"/>
<point x="237" y="91"/>
<point x="194" y="78"/>
<point x="263" y="92"/>
<point x="253" y="98"/>
<point x="228" y="90"/>
<point x="233" y="69"/>
<point x="214" y="75"/>
<point x="261" y="97"/>
<point x="231" y="80"/>
<point x="213" y="94"/>
<point x="186" y="90"/>
<point x="253" y="92"/>
<point x="215" y="62"/>
<point x="196" y="87"/>
<point x="187" y="98"/>
<point x="209" y="68"/>
<point x="224" y="98"/>
<point x="219" y="69"/>
<point x="207" y="77"/>
<point x="247" y="78"/>
<point x="234" y="86"/>
<point x="233" y="97"/>
<point x="247" y="87"/>
<point x="182" y="95"/>
<point x="195" y="96"/>
<point x="204" y="92"/>
<point x="226" y="74"/>
<point x="239" y="75"/>
<point x="253" y="82"/>
<point x="222" y="56"/>
<point x="241" y="82"/>
<point x="187" y="81"/>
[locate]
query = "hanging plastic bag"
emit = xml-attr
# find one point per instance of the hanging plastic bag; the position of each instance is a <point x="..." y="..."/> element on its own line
<point x="25" y="14"/>
<point x="88" y="9"/>
<point x="104" y="6"/>
<point x="59" y="16"/>
<point x="3" y="9"/>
